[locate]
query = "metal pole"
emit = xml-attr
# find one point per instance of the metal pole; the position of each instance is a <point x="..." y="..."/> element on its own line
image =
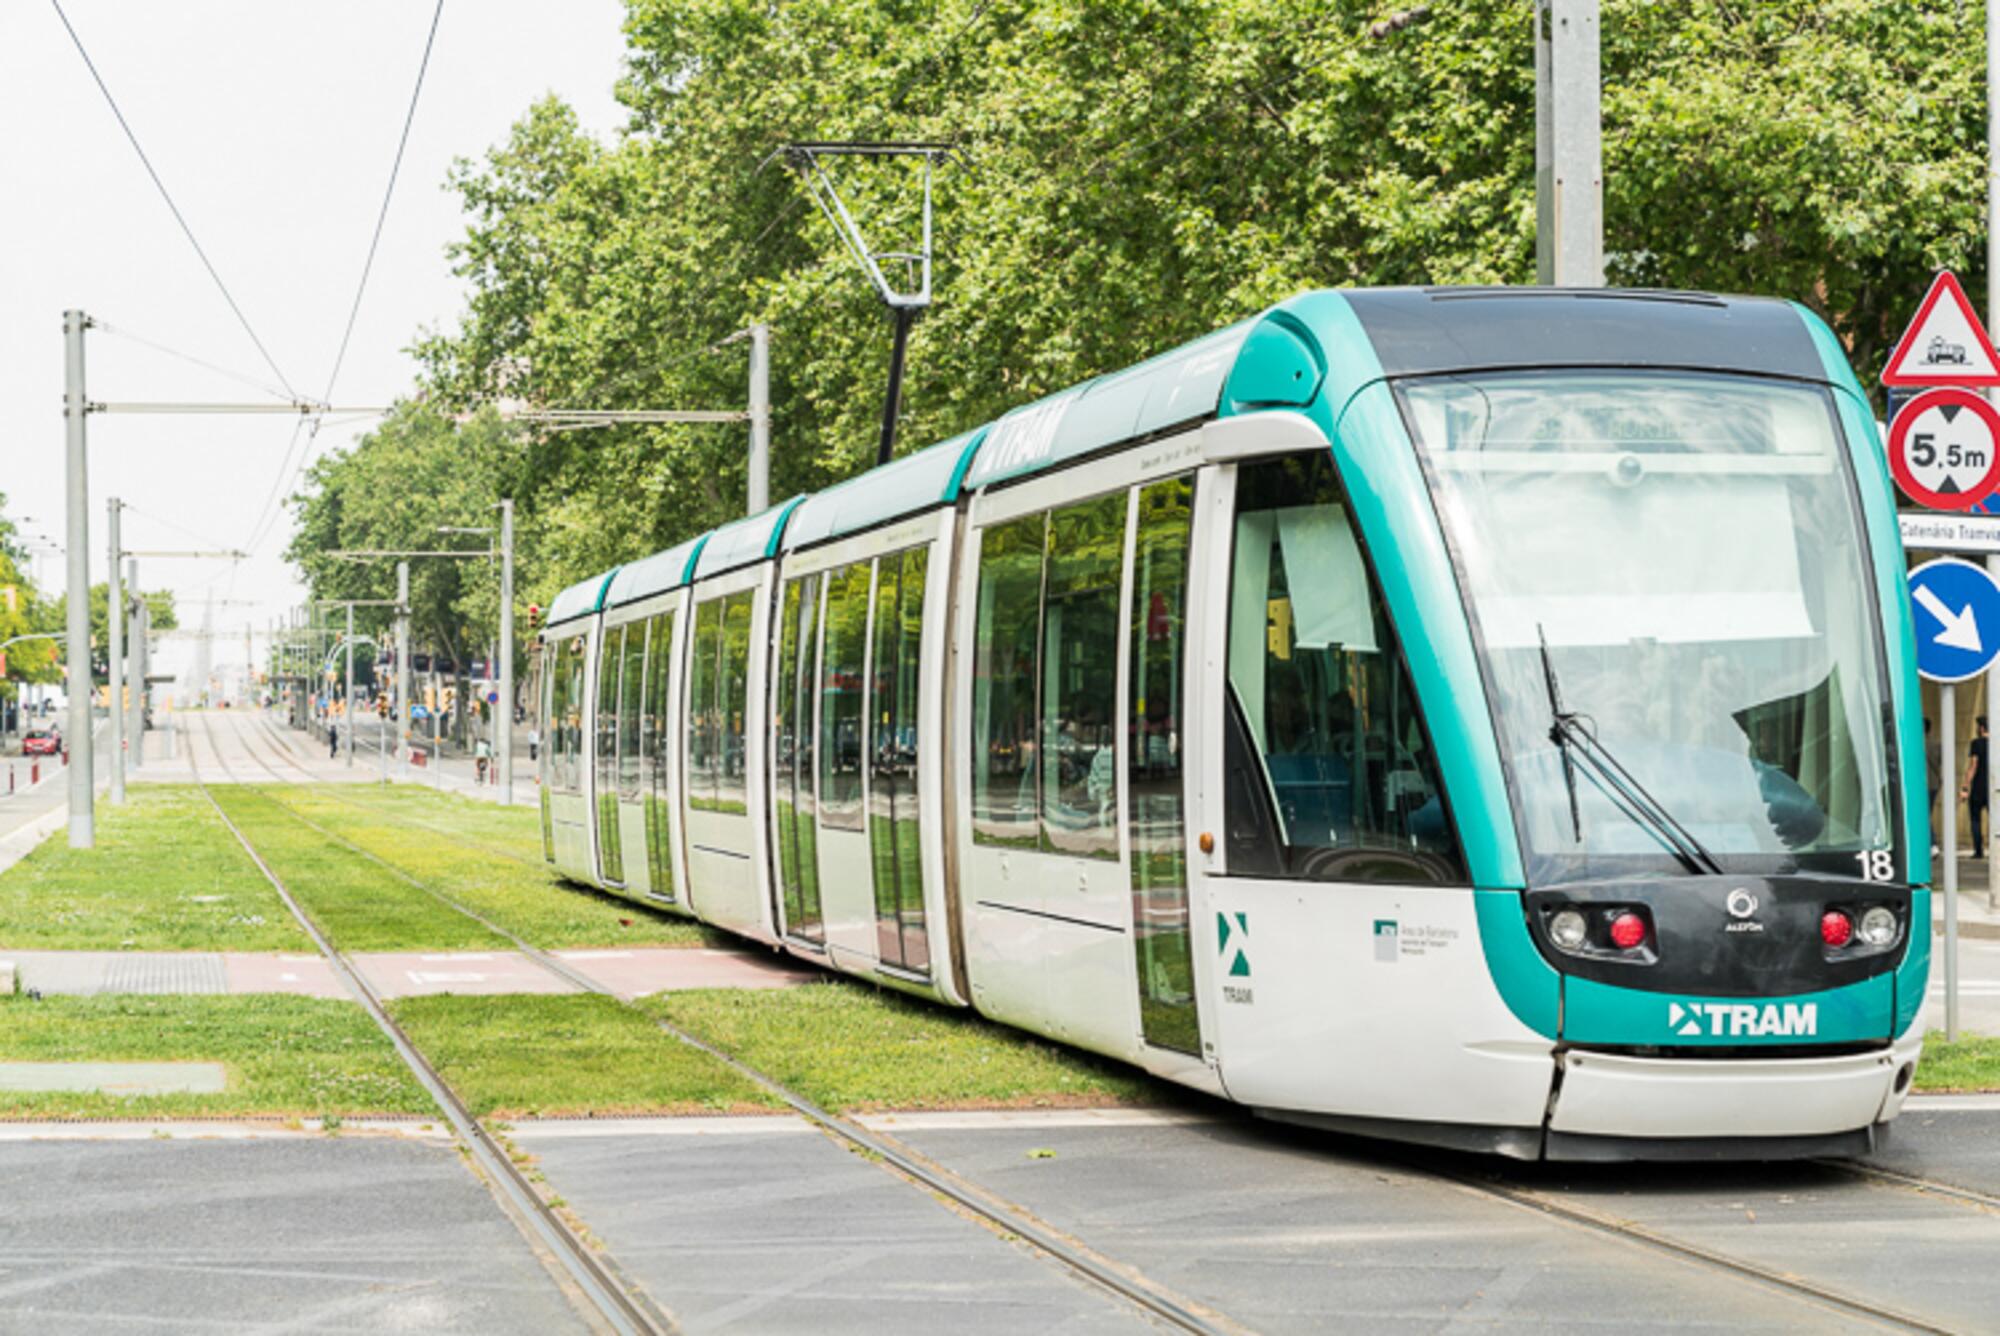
<point x="504" y="709"/>
<point x="1992" y="771"/>
<point x="347" y="703"/>
<point x="1569" y="151"/>
<point x="760" y="417"/>
<point x="892" y="404"/>
<point x="1948" y="726"/>
<point x="82" y="819"/>
<point x="142" y="625"/>
<point x="403" y="664"/>
<point x="114" y="622"/>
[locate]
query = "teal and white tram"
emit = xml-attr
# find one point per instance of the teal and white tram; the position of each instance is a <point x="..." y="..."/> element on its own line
<point x="1477" y="716"/>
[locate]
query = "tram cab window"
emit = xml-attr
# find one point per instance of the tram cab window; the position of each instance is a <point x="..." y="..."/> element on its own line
<point x="1331" y="776"/>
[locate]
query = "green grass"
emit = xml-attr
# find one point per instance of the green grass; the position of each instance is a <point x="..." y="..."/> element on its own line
<point x="1972" y="1063"/>
<point x="516" y="1056"/>
<point x="848" y="1046"/>
<point x="297" y="1056"/>
<point x="515" y="831"/>
<point x="360" y="904"/>
<point x="165" y="875"/>
<point x="528" y="900"/>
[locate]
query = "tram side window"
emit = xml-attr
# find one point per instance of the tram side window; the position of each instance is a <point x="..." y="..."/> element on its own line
<point x="792" y="699"/>
<point x="842" y="694"/>
<point x="704" y="743"/>
<point x="732" y="705"/>
<point x="610" y="656"/>
<point x="633" y="675"/>
<point x="1331" y="775"/>
<point x="1003" y="681"/>
<point x="653" y="742"/>
<point x="1079" y="713"/>
<point x="566" y="717"/>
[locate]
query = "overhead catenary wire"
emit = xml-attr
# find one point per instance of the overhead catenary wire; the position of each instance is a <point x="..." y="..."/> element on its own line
<point x="167" y="196"/>
<point x="119" y="331"/>
<point x="388" y="193"/>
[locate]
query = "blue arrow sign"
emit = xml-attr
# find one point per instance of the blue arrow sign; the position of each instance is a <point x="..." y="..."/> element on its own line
<point x="1957" y="608"/>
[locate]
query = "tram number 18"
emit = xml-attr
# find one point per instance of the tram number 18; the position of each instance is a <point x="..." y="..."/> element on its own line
<point x="1876" y="865"/>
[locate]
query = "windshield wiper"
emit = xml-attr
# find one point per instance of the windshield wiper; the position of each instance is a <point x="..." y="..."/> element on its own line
<point x="1579" y="745"/>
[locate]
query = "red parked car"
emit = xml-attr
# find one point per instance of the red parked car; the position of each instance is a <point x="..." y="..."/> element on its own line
<point x="41" y="742"/>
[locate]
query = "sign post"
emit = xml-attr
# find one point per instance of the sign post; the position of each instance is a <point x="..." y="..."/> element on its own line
<point x="1956" y="610"/>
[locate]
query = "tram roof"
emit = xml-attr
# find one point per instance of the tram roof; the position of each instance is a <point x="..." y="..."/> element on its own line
<point x="655" y="574"/>
<point x="907" y="486"/>
<point x="585" y="596"/>
<point x="742" y="542"/>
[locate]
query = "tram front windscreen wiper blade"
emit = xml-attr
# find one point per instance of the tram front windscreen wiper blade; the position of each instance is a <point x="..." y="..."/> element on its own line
<point x="1578" y="744"/>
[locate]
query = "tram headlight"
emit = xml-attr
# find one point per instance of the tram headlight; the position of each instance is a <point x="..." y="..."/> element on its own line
<point x="1568" y="930"/>
<point x="1878" y="926"/>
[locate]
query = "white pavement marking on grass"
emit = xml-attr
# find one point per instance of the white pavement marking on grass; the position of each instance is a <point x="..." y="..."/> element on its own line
<point x="154" y="1129"/>
<point x="754" y="1124"/>
<point x="982" y="1120"/>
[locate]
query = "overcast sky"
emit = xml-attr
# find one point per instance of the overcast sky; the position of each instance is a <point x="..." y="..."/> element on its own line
<point x="273" y="124"/>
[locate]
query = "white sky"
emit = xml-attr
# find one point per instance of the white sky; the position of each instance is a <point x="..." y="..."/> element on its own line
<point x="273" y="123"/>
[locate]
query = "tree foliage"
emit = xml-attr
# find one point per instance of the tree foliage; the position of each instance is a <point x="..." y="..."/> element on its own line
<point x="1132" y="173"/>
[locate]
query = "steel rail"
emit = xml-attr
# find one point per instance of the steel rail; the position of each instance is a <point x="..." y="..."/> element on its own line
<point x="586" y="1269"/>
<point x="1122" y="1282"/>
<point x="1604" y="1222"/>
<point x="1929" y="1187"/>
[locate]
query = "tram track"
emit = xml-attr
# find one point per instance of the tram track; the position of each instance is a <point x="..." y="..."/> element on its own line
<point x="970" y="1197"/>
<point x="1556" y="1206"/>
<point x="588" y="1274"/>
<point x="989" y="1208"/>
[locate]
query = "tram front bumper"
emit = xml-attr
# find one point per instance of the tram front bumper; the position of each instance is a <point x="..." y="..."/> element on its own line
<point x="1613" y="1095"/>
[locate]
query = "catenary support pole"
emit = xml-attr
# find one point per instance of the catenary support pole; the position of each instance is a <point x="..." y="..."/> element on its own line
<point x="403" y="715"/>
<point x="76" y="557"/>
<point x="503" y="716"/>
<point x="142" y="625"/>
<point x="760" y="417"/>
<point x="347" y="711"/>
<point x="892" y="403"/>
<point x="1569" y="150"/>
<point x="1948" y="730"/>
<point x="114" y="625"/>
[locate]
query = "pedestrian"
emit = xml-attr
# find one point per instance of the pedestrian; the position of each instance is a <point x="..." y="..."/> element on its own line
<point x="484" y="752"/>
<point x="1974" y="789"/>
<point x="332" y="741"/>
<point x="534" y="744"/>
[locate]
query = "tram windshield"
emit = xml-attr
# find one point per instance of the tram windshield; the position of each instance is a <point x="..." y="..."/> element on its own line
<point x="1675" y="563"/>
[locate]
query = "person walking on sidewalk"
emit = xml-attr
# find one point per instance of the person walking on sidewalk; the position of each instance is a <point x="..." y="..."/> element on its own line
<point x="1974" y="789"/>
<point x="332" y="740"/>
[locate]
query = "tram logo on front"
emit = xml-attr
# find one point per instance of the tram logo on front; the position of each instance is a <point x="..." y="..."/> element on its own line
<point x="1743" y="1020"/>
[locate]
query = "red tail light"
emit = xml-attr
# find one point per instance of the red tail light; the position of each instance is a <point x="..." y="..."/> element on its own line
<point x="1627" y="931"/>
<point x="1835" y="928"/>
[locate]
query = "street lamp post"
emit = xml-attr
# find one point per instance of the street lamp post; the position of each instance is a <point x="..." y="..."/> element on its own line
<point x="114" y="621"/>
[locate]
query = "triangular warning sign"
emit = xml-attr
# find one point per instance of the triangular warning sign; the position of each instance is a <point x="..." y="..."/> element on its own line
<point x="1945" y="344"/>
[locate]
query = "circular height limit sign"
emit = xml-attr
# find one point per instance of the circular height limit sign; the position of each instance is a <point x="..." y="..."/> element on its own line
<point x="1944" y="449"/>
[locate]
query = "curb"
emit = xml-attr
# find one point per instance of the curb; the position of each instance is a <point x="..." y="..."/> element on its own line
<point x="1984" y="931"/>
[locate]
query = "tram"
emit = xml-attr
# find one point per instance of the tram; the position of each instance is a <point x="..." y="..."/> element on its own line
<point x="1479" y="717"/>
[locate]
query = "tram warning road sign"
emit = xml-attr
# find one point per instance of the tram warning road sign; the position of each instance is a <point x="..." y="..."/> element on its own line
<point x="1945" y="344"/>
<point x="1957" y="610"/>
<point x="1944" y="449"/>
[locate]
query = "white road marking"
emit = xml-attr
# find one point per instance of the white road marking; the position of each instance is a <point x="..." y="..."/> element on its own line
<point x="980" y="1120"/>
<point x="445" y="976"/>
<point x="575" y="1128"/>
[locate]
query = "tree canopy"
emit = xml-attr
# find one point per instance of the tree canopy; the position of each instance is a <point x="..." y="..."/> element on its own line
<point x="1130" y="174"/>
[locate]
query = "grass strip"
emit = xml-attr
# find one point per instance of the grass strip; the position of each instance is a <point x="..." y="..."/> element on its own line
<point x="165" y="875"/>
<point x="509" y="831"/>
<point x="360" y="904"/>
<point x="531" y="901"/>
<point x="526" y="1056"/>
<point x="848" y="1046"/>
<point x="292" y="1056"/>
<point x="1970" y="1063"/>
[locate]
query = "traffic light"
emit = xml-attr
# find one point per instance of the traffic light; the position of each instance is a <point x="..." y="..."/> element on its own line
<point x="534" y="617"/>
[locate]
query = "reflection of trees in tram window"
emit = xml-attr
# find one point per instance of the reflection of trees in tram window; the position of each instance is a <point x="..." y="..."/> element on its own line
<point x="610" y="847"/>
<point x="704" y="743"/>
<point x="733" y="704"/>
<point x="653" y="743"/>
<point x="1156" y="640"/>
<point x="631" y="711"/>
<point x="792" y="702"/>
<point x="1079" y="657"/>
<point x="892" y="821"/>
<point x="1003" y="687"/>
<point x="842" y="697"/>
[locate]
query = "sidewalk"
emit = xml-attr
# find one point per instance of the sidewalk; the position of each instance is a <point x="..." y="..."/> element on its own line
<point x="1976" y="914"/>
